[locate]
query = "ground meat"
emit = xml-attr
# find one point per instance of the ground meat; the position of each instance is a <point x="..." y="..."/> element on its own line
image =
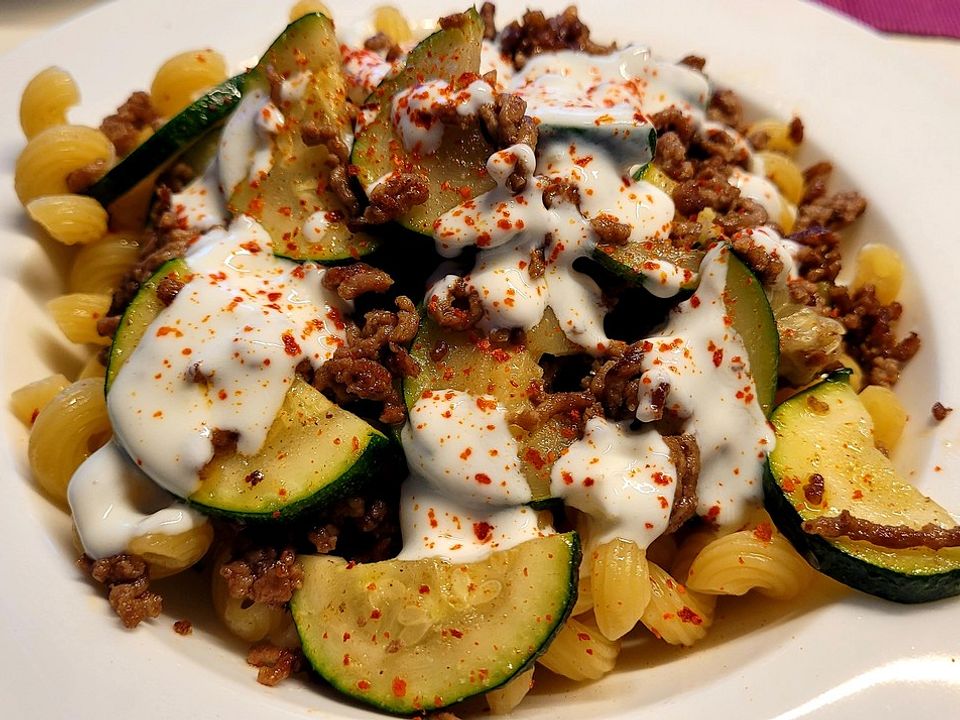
<point x="744" y="215"/>
<point x="324" y="538"/>
<point x="275" y="663"/>
<point x="871" y="339"/>
<point x="167" y="290"/>
<point x="264" y="575"/>
<point x="940" y="411"/>
<point x="505" y="124"/>
<point x="685" y="234"/>
<point x="709" y="189"/>
<point x="616" y="383"/>
<point x="894" y="537"/>
<point x="107" y="326"/>
<point x="831" y="211"/>
<point x="363" y="529"/>
<point x="671" y="157"/>
<point x="795" y="130"/>
<point x="356" y="378"/>
<point x="183" y="627"/>
<point x="725" y="107"/>
<point x="693" y="61"/>
<point x="341" y="187"/>
<point x="393" y="197"/>
<point x="487" y="11"/>
<point x="124" y="127"/>
<point x="815" y="181"/>
<point x="550" y="405"/>
<point x="685" y="456"/>
<point x="352" y="281"/>
<point x="609" y="230"/>
<point x="535" y="34"/>
<point x="127" y="579"/>
<point x="459" y="308"/>
<point x="315" y="133"/>
<point x="819" y="259"/>
<point x="813" y="490"/>
<point x="765" y="266"/>
<point x="380" y="42"/>
<point x="82" y="178"/>
<point x="558" y="191"/>
<point x="673" y="120"/>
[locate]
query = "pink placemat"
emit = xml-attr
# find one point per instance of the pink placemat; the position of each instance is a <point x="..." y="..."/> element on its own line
<point x="937" y="18"/>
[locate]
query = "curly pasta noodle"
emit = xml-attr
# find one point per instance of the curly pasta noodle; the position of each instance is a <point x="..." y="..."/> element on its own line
<point x="620" y="585"/>
<point x="27" y="402"/>
<point x="55" y="153"/>
<point x="784" y="173"/>
<point x="93" y="368"/>
<point x="758" y="559"/>
<point x="305" y="7"/>
<point x="504" y="699"/>
<point x="676" y="614"/>
<point x="46" y="100"/>
<point x="77" y="314"/>
<point x="99" y="267"/>
<point x="251" y="622"/>
<point x="580" y="652"/>
<point x="169" y="554"/>
<point x="887" y="413"/>
<point x="388" y="20"/>
<point x="881" y="267"/>
<point x="184" y="77"/>
<point x="777" y="134"/>
<point x="72" y="426"/>
<point x="70" y="219"/>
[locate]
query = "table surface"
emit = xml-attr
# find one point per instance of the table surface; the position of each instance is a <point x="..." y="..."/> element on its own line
<point x="22" y="19"/>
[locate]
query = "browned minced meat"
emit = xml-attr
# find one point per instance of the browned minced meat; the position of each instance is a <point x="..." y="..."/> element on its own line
<point x="183" y="627"/>
<point x="127" y="579"/>
<point x="558" y="191"/>
<point x="609" y="230"/>
<point x="871" y="339"/>
<point x="616" y="383"/>
<point x="82" y="178"/>
<point x="940" y="411"/>
<point x="813" y="490"/>
<point x="535" y="33"/>
<point x="549" y="405"/>
<point x="275" y="663"/>
<point x="717" y="143"/>
<point x="831" y="211"/>
<point x="685" y="456"/>
<point x="671" y="157"/>
<point x="364" y="529"/>
<point x="107" y="326"/>
<point x="694" y="61"/>
<point x="765" y="266"/>
<point x="123" y="128"/>
<point x="458" y="308"/>
<point x="505" y="123"/>
<point x="538" y="265"/>
<point x="795" y="130"/>
<point x="390" y="199"/>
<point x="264" y="575"/>
<point x="366" y="365"/>
<point x="725" y="107"/>
<point x="894" y="537"/>
<point x="819" y="258"/>
<point x="352" y="281"/>
<point x="167" y="289"/>
<point x="487" y="12"/>
<point x="195" y="374"/>
<point x="709" y="189"/>
<point x="315" y="133"/>
<point x="744" y="214"/>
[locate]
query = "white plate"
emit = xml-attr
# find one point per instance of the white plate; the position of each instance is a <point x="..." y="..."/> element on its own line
<point x="885" y="119"/>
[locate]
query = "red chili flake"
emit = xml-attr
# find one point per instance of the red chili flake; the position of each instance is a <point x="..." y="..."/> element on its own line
<point x="432" y="516"/>
<point x="424" y="589"/>
<point x="290" y="345"/>
<point x="660" y="479"/>
<point x="588" y="482"/>
<point x="483" y="531"/>
<point x="486" y="405"/>
<point x="689" y="616"/>
<point x="664" y="503"/>
<point x="694" y="302"/>
<point x="583" y="636"/>
<point x="456" y="633"/>
<point x="482" y="478"/>
<point x="399" y="687"/>
<point x="713" y="513"/>
<point x="534" y="457"/>
<point x="857" y="495"/>
<point x="222" y="394"/>
<point x="375" y="614"/>
<point x="718" y="357"/>
<point x="167" y="330"/>
<point x="186" y="351"/>
<point x="500" y="355"/>
<point x="567" y="477"/>
<point x="763" y="532"/>
<point x="298" y="272"/>
<point x="363" y="684"/>
<point x="346" y="660"/>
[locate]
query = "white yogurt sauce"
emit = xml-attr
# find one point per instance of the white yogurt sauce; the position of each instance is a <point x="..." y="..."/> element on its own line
<point x="201" y="205"/>
<point x="703" y="360"/>
<point x="244" y="322"/>
<point x="623" y="479"/>
<point x="113" y="502"/>
<point x="246" y="144"/>
<point x="415" y="111"/>
<point x="783" y="249"/>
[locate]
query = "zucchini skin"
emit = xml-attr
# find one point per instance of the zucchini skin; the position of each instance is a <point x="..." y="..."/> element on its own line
<point x="860" y="575"/>
<point x="181" y="131"/>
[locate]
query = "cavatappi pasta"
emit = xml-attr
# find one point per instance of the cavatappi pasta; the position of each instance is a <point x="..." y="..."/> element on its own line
<point x="656" y="560"/>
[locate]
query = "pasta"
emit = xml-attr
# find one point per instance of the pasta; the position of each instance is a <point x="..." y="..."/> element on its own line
<point x="504" y="699"/>
<point x="93" y="368"/>
<point x="77" y="314"/>
<point x="620" y="587"/>
<point x="70" y="219"/>
<point x="758" y="559"/>
<point x="251" y="622"/>
<point x="66" y="432"/>
<point x="53" y="154"/>
<point x="184" y="77"/>
<point x="305" y="7"/>
<point x="169" y="554"/>
<point x="46" y="99"/>
<point x="784" y="173"/>
<point x="776" y="134"/>
<point x="676" y="614"/>
<point x="28" y="401"/>
<point x="99" y="267"/>
<point x="881" y="267"/>
<point x="388" y="20"/>
<point x="888" y="415"/>
<point x="580" y="652"/>
<point x="584" y="596"/>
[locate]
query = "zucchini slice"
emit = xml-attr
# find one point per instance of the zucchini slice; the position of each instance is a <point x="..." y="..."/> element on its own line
<point x="179" y="133"/>
<point x="408" y="636"/>
<point x="753" y="320"/>
<point x="471" y="364"/>
<point x="294" y="201"/>
<point x="457" y="171"/>
<point x="314" y="451"/>
<point x="826" y="431"/>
